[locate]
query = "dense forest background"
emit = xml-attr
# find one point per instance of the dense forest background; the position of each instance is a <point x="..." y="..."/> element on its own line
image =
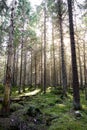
<point x="43" y="47"/>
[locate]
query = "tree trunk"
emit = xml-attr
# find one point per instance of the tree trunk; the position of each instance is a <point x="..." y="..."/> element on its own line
<point x="35" y="59"/>
<point x="64" y="75"/>
<point x="85" y="70"/>
<point x="31" y="67"/>
<point x="76" y="95"/>
<point x="44" y="87"/>
<point x="16" y="71"/>
<point x="6" y="100"/>
<point x="21" y="66"/>
<point x="54" y="69"/>
<point x="80" y="68"/>
<point x="14" y="61"/>
<point x="25" y="64"/>
<point x="41" y="62"/>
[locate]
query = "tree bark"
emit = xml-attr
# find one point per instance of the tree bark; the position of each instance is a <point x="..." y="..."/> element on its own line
<point x="44" y="86"/>
<point x="21" y="66"/>
<point x="31" y="67"/>
<point x="76" y="94"/>
<point x="35" y="59"/>
<point x="64" y="75"/>
<point x="25" y="64"/>
<point x="8" y="82"/>
<point x="54" y="64"/>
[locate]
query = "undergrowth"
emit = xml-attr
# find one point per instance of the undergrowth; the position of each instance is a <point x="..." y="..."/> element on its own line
<point x="58" y="112"/>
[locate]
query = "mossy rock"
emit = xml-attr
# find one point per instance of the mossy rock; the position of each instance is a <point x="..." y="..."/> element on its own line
<point x="15" y="106"/>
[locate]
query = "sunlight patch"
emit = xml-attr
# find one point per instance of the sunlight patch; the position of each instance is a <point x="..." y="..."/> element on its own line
<point x="61" y="105"/>
<point x="33" y="92"/>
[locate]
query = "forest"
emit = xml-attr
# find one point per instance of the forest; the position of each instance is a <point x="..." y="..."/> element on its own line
<point x="43" y="64"/>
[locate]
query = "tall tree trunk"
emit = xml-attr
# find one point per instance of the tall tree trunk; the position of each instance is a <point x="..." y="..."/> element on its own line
<point x="76" y="94"/>
<point x="24" y="77"/>
<point x="6" y="99"/>
<point x="44" y="87"/>
<point x="35" y="59"/>
<point x="85" y="70"/>
<point x="64" y="75"/>
<point x="21" y="66"/>
<point x="60" y="75"/>
<point x="54" y="69"/>
<point x="14" y="61"/>
<point x="84" y="54"/>
<point x="51" y="67"/>
<point x="28" y="75"/>
<point x="31" y="67"/>
<point x="16" y="69"/>
<point x="80" y="68"/>
<point x="41" y="61"/>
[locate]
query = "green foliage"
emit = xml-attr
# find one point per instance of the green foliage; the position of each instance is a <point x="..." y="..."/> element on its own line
<point x="48" y="112"/>
<point x="1" y="89"/>
<point x="58" y="91"/>
<point x="15" y="107"/>
<point x="3" y="5"/>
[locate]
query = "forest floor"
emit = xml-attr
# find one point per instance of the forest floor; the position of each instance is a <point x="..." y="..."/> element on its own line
<point x="34" y="110"/>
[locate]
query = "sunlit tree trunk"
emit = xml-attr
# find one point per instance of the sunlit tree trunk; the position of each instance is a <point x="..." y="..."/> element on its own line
<point x="35" y="59"/>
<point x="16" y="69"/>
<point x="41" y="61"/>
<point x="25" y="64"/>
<point x="54" y="64"/>
<point x="59" y="67"/>
<point x="28" y="75"/>
<point x="84" y="61"/>
<point x="80" y="68"/>
<point x="64" y="76"/>
<point x="21" y="66"/>
<point x="51" y="66"/>
<point x="44" y="86"/>
<point x="85" y="69"/>
<point x="31" y="69"/>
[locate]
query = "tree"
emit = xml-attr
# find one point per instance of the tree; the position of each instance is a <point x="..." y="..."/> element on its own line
<point x="54" y="63"/>
<point x="75" y="84"/>
<point x="6" y="100"/>
<point x="44" y="86"/>
<point x="60" y="12"/>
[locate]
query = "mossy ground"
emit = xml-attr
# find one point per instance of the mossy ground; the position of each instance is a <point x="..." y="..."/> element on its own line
<point x="58" y="113"/>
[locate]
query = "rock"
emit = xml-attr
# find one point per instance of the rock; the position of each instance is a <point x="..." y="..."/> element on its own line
<point x="78" y="114"/>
